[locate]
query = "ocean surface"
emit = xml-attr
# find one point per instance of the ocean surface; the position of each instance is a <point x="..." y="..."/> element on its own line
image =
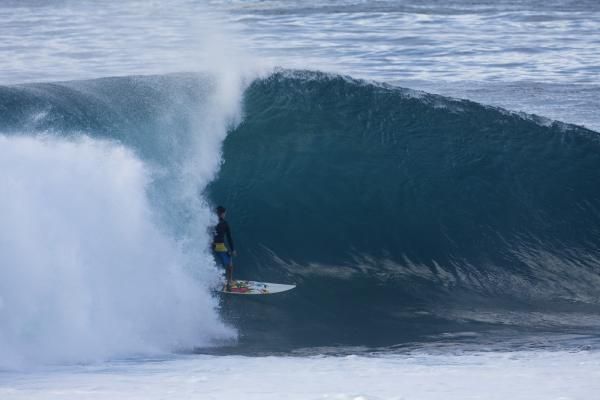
<point x="427" y="173"/>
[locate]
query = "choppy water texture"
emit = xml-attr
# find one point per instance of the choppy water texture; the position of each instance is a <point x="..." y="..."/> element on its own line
<point x="534" y="56"/>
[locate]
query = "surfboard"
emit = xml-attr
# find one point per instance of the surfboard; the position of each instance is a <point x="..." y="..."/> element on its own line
<point x="252" y="287"/>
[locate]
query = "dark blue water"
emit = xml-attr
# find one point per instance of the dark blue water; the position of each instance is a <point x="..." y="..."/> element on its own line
<point x="402" y="214"/>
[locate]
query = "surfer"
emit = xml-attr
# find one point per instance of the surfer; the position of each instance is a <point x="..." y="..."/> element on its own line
<point x="224" y="254"/>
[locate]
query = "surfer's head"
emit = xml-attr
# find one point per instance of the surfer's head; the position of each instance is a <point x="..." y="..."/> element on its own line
<point x="221" y="211"/>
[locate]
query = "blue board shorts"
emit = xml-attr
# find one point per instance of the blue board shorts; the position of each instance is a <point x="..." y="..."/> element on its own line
<point x="223" y="257"/>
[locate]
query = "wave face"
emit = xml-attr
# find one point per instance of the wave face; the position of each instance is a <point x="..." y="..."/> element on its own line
<point x="103" y="245"/>
<point x="399" y="214"/>
<point x="380" y="200"/>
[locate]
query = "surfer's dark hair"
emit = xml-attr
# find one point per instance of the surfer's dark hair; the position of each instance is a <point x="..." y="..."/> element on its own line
<point x="221" y="210"/>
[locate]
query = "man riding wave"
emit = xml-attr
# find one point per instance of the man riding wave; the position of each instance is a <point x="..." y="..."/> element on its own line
<point x="223" y="254"/>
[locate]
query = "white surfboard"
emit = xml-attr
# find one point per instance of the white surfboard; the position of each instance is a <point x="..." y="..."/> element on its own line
<point x="252" y="287"/>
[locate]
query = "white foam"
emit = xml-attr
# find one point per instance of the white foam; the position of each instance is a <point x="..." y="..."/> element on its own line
<point x="490" y="376"/>
<point x="85" y="272"/>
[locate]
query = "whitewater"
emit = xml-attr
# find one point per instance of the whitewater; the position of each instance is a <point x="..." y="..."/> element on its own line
<point x="426" y="174"/>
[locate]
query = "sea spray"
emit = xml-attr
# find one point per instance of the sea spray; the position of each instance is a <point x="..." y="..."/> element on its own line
<point x="85" y="271"/>
<point x="113" y="258"/>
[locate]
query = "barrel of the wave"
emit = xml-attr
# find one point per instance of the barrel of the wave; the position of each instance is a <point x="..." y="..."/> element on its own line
<point x="337" y="179"/>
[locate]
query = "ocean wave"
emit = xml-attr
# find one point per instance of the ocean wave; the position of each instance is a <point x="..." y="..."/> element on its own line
<point x="386" y="205"/>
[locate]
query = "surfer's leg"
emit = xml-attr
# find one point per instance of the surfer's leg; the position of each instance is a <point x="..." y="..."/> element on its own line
<point x="229" y="267"/>
<point x="227" y="263"/>
<point x="229" y="273"/>
<point x="225" y="260"/>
